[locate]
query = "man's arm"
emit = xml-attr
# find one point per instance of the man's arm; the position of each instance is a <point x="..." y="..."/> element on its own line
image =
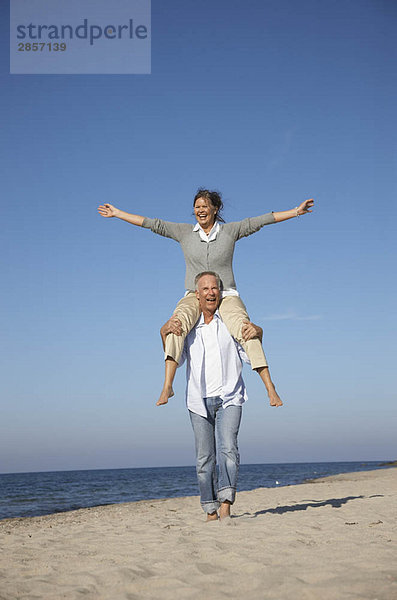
<point x="251" y="331"/>
<point x="173" y="325"/>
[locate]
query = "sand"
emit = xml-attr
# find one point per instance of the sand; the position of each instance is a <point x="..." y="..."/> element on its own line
<point x="332" y="539"/>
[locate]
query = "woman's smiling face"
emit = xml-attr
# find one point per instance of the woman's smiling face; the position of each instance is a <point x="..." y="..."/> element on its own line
<point x="205" y="213"/>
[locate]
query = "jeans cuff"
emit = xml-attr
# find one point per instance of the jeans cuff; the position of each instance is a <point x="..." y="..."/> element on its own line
<point x="210" y="507"/>
<point x="227" y="493"/>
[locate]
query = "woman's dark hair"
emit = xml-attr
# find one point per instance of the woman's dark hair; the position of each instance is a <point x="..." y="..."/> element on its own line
<point x="215" y="198"/>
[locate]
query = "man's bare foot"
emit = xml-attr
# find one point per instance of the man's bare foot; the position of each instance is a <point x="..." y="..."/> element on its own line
<point x="224" y="510"/>
<point x="166" y="392"/>
<point x="275" y="399"/>
<point x="212" y="516"/>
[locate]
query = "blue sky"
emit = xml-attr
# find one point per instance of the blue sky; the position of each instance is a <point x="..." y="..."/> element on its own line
<point x="271" y="102"/>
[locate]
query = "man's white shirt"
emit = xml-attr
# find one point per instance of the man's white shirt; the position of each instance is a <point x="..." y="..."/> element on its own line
<point x="214" y="362"/>
<point x="213" y="384"/>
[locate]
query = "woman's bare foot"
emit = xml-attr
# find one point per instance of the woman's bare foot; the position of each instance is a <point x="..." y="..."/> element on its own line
<point x="166" y="392"/>
<point x="274" y="398"/>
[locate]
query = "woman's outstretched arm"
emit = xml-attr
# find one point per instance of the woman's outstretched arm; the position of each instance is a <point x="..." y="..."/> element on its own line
<point x="108" y="210"/>
<point x="294" y="212"/>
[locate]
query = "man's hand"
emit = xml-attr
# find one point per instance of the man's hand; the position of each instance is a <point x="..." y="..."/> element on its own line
<point x="250" y="331"/>
<point x="173" y="325"/>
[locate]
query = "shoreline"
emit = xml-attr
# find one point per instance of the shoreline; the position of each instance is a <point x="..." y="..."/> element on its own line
<point x="382" y="466"/>
<point x="334" y="538"/>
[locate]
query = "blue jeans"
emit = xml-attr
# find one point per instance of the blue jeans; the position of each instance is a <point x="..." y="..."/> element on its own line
<point x="215" y="435"/>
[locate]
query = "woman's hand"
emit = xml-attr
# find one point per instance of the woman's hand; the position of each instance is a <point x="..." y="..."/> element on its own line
<point x="305" y="206"/>
<point x="302" y="209"/>
<point x="108" y="210"/>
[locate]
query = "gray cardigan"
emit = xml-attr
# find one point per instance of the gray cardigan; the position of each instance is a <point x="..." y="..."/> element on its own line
<point x="216" y="255"/>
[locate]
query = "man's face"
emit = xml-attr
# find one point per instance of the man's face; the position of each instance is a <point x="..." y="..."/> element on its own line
<point x="208" y="293"/>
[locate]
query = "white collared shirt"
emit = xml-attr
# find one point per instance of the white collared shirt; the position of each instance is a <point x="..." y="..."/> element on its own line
<point x="232" y="390"/>
<point x="209" y="238"/>
<point x="211" y="235"/>
<point x="212" y="360"/>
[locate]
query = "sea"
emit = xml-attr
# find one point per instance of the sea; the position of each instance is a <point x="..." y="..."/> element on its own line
<point x="36" y="494"/>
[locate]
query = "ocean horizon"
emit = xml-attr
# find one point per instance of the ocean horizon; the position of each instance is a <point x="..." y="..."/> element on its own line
<point x="40" y="493"/>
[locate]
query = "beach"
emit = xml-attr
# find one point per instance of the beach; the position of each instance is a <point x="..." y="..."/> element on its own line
<point x="331" y="539"/>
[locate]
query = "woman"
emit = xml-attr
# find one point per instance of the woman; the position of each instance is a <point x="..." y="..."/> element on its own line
<point x="209" y="246"/>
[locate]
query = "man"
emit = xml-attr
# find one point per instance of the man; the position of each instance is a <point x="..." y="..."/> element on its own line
<point x="215" y="394"/>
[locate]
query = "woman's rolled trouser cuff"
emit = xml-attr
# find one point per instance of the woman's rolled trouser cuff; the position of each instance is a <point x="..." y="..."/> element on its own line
<point x="255" y="353"/>
<point x="174" y="346"/>
<point x="234" y="314"/>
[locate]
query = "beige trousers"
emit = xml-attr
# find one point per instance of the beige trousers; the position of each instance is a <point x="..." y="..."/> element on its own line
<point x="233" y="314"/>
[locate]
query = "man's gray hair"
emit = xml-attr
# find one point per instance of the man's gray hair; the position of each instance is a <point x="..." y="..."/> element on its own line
<point x="200" y="275"/>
